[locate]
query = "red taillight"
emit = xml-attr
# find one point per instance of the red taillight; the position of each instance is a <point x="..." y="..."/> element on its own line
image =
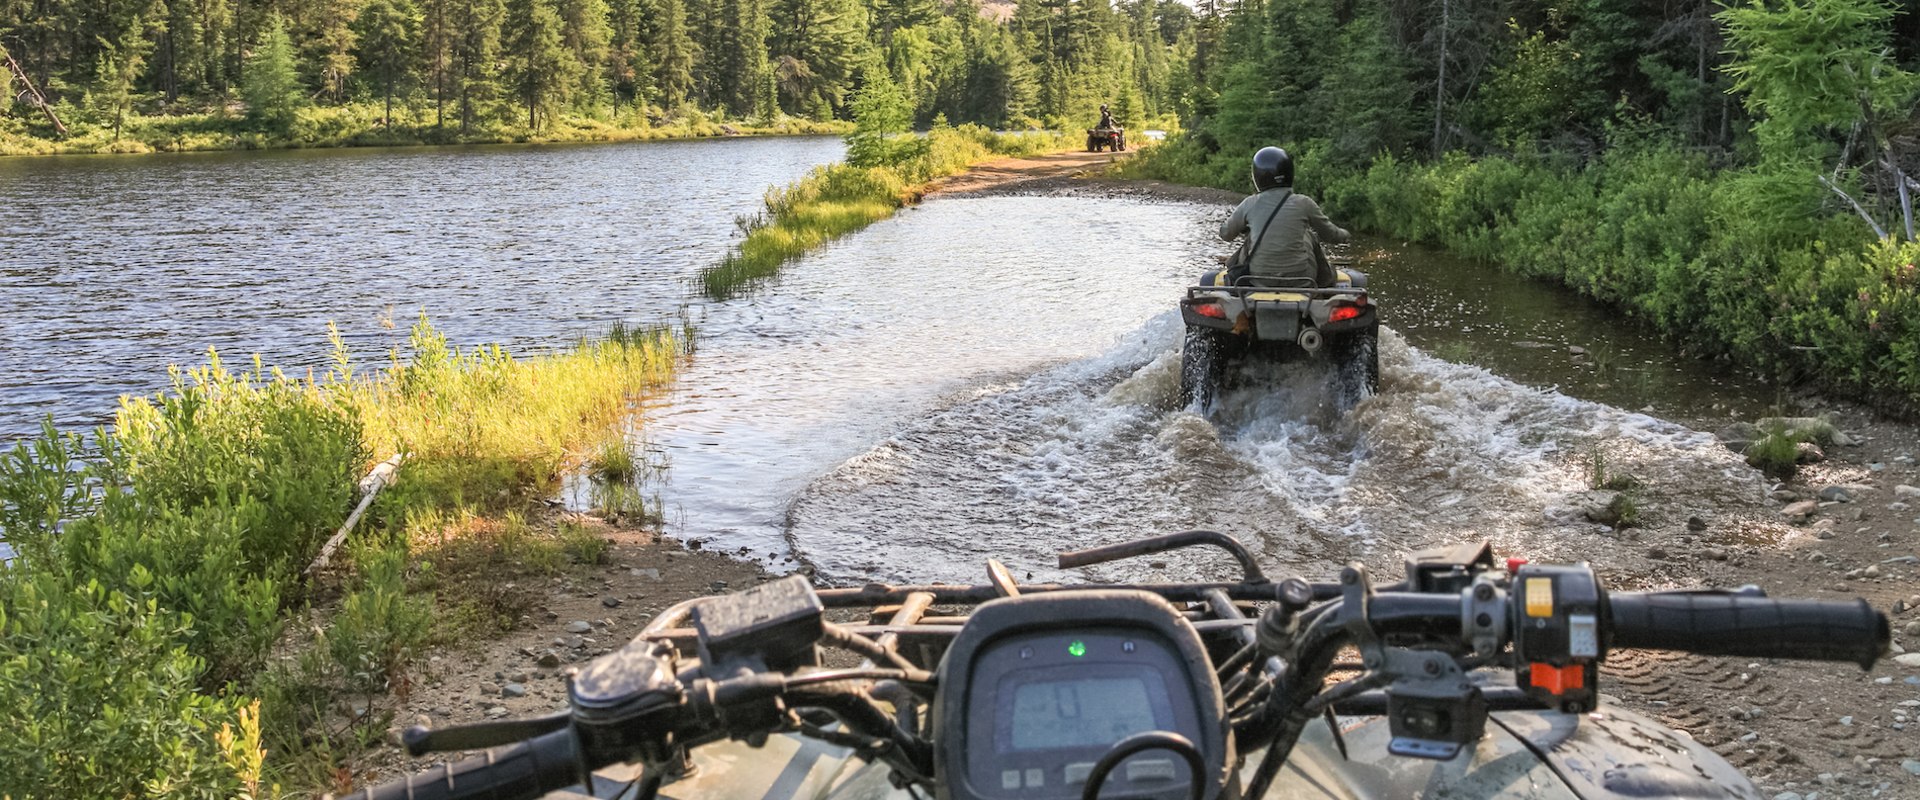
<point x="1210" y="310"/>
<point x="1343" y="313"/>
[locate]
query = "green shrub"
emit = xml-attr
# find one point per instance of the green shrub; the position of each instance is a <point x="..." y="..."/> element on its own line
<point x="99" y="698"/>
<point x="379" y="628"/>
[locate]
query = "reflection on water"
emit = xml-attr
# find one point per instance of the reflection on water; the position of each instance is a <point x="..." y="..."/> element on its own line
<point x="1544" y="335"/>
<point x="113" y="268"/>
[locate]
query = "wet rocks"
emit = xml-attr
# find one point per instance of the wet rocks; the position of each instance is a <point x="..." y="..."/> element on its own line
<point x="1605" y="507"/>
<point x="1739" y="436"/>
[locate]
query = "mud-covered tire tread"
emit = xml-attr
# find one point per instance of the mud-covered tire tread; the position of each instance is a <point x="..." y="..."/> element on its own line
<point x="1201" y="355"/>
<point x="1357" y="359"/>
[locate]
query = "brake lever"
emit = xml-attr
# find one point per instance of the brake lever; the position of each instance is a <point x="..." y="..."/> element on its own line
<point x="420" y="740"/>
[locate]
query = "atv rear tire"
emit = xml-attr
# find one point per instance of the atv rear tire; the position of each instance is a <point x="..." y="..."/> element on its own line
<point x="1358" y="359"/>
<point x="1202" y="358"/>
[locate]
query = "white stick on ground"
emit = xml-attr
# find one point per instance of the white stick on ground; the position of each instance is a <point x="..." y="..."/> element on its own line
<point x="377" y="478"/>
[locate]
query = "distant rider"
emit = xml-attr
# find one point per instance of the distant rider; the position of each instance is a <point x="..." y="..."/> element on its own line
<point x="1106" y="119"/>
<point x="1287" y="247"/>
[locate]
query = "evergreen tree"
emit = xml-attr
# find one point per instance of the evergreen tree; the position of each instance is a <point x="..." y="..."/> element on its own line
<point x="676" y="55"/>
<point x="585" y="33"/>
<point x="124" y="44"/>
<point x="270" y="83"/>
<point x="815" y="45"/>
<point x="538" y="64"/>
<point x="334" y="38"/>
<point x="387" y="35"/>
<point x="437" y="39"/>
<point x="630" y="62"/>
<point x="474" y="52"/>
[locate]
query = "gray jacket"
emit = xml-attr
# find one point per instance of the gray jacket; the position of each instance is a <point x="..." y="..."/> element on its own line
<point x="1287" y="251"/>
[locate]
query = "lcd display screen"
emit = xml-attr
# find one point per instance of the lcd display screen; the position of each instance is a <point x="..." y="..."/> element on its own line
<point x="1084" y="712"/>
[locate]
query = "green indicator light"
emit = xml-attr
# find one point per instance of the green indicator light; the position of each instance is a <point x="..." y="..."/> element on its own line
<point x="1077" y="648"/>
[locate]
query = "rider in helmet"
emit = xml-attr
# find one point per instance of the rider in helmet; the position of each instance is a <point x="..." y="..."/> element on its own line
<point x="1106" y="119"/>
<point x="1283" y="224"/>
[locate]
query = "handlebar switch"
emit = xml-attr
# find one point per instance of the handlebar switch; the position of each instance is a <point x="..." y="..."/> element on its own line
<point x="1557" y="615"/>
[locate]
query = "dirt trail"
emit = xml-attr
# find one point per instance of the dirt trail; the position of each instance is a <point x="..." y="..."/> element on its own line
<point x="1021" y="171"/>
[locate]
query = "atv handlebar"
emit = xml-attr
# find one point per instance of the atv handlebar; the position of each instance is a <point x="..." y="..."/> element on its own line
<point x="1304" y="628"/>
<point x="1746" y="625"/>
<point x="545" y="763"/>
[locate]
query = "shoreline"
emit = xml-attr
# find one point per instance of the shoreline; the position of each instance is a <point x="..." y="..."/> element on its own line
<point x="231" y="141"/>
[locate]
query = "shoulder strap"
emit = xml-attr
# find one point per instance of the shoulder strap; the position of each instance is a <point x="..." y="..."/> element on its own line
<point x="1254" y="246"/>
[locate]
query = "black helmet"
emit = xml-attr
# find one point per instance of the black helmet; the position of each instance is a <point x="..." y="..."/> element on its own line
<point x="1103" y="106"/>
<point x="1272" y="168"/>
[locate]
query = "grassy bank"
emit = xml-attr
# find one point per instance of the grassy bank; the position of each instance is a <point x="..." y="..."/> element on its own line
<point x="148" y="636"/>
<point x="1744" y="263"/>
<point x="881" y="174"/>
<point x="363" y="125"/>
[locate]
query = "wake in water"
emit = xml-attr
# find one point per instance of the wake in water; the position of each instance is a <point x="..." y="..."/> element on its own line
<point x="1097" y="451"/>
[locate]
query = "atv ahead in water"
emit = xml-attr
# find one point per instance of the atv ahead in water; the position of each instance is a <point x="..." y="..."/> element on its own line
<point x="1254" y="318"/>
<point x="1474" y="678"/>
<point x="1114" y="139"/>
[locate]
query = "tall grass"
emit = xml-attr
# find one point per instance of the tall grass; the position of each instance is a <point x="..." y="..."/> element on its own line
<point x="838" y="199"/>
<point x="158" y="562"/>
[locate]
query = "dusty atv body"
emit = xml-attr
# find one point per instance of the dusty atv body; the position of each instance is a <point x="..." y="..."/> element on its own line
<point x="1098" y="139"/>
<point x="1253" y="318"/>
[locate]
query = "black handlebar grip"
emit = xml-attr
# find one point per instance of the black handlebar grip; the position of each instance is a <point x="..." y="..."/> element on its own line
<point x="522" y="771"/>
<point x="1710" y="623"/>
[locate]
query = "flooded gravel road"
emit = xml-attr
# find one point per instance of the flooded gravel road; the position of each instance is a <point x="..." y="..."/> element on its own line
<point x="996" y="376"/>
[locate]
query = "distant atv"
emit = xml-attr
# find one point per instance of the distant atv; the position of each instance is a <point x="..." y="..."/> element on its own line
<point x="1114" y="139"/>
<point x="1261" y="319"/>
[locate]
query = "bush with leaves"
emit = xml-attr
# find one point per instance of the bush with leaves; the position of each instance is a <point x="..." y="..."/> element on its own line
<point x="99" y="698"/>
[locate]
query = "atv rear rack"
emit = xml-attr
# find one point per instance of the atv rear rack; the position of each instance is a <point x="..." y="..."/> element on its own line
<point x="1195" y="292"/>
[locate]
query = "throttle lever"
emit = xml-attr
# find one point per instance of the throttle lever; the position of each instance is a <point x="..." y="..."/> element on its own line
<point x="420" y="740"/>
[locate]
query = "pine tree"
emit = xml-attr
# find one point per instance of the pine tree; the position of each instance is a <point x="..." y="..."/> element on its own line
<point x="630" y="62"/>
<point x="389" y="30"/>
<point x="815" y="45"/>
<point x="270" y="82"/>
<point x="539" y="67"/>
<point x="676" y="55"/>
<point x="585" y="33"/>
<point x="436" y="52"/>
<point x="124" y="43"/>
<point x="334" y="36"/>
<point x="476" y="48"/>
